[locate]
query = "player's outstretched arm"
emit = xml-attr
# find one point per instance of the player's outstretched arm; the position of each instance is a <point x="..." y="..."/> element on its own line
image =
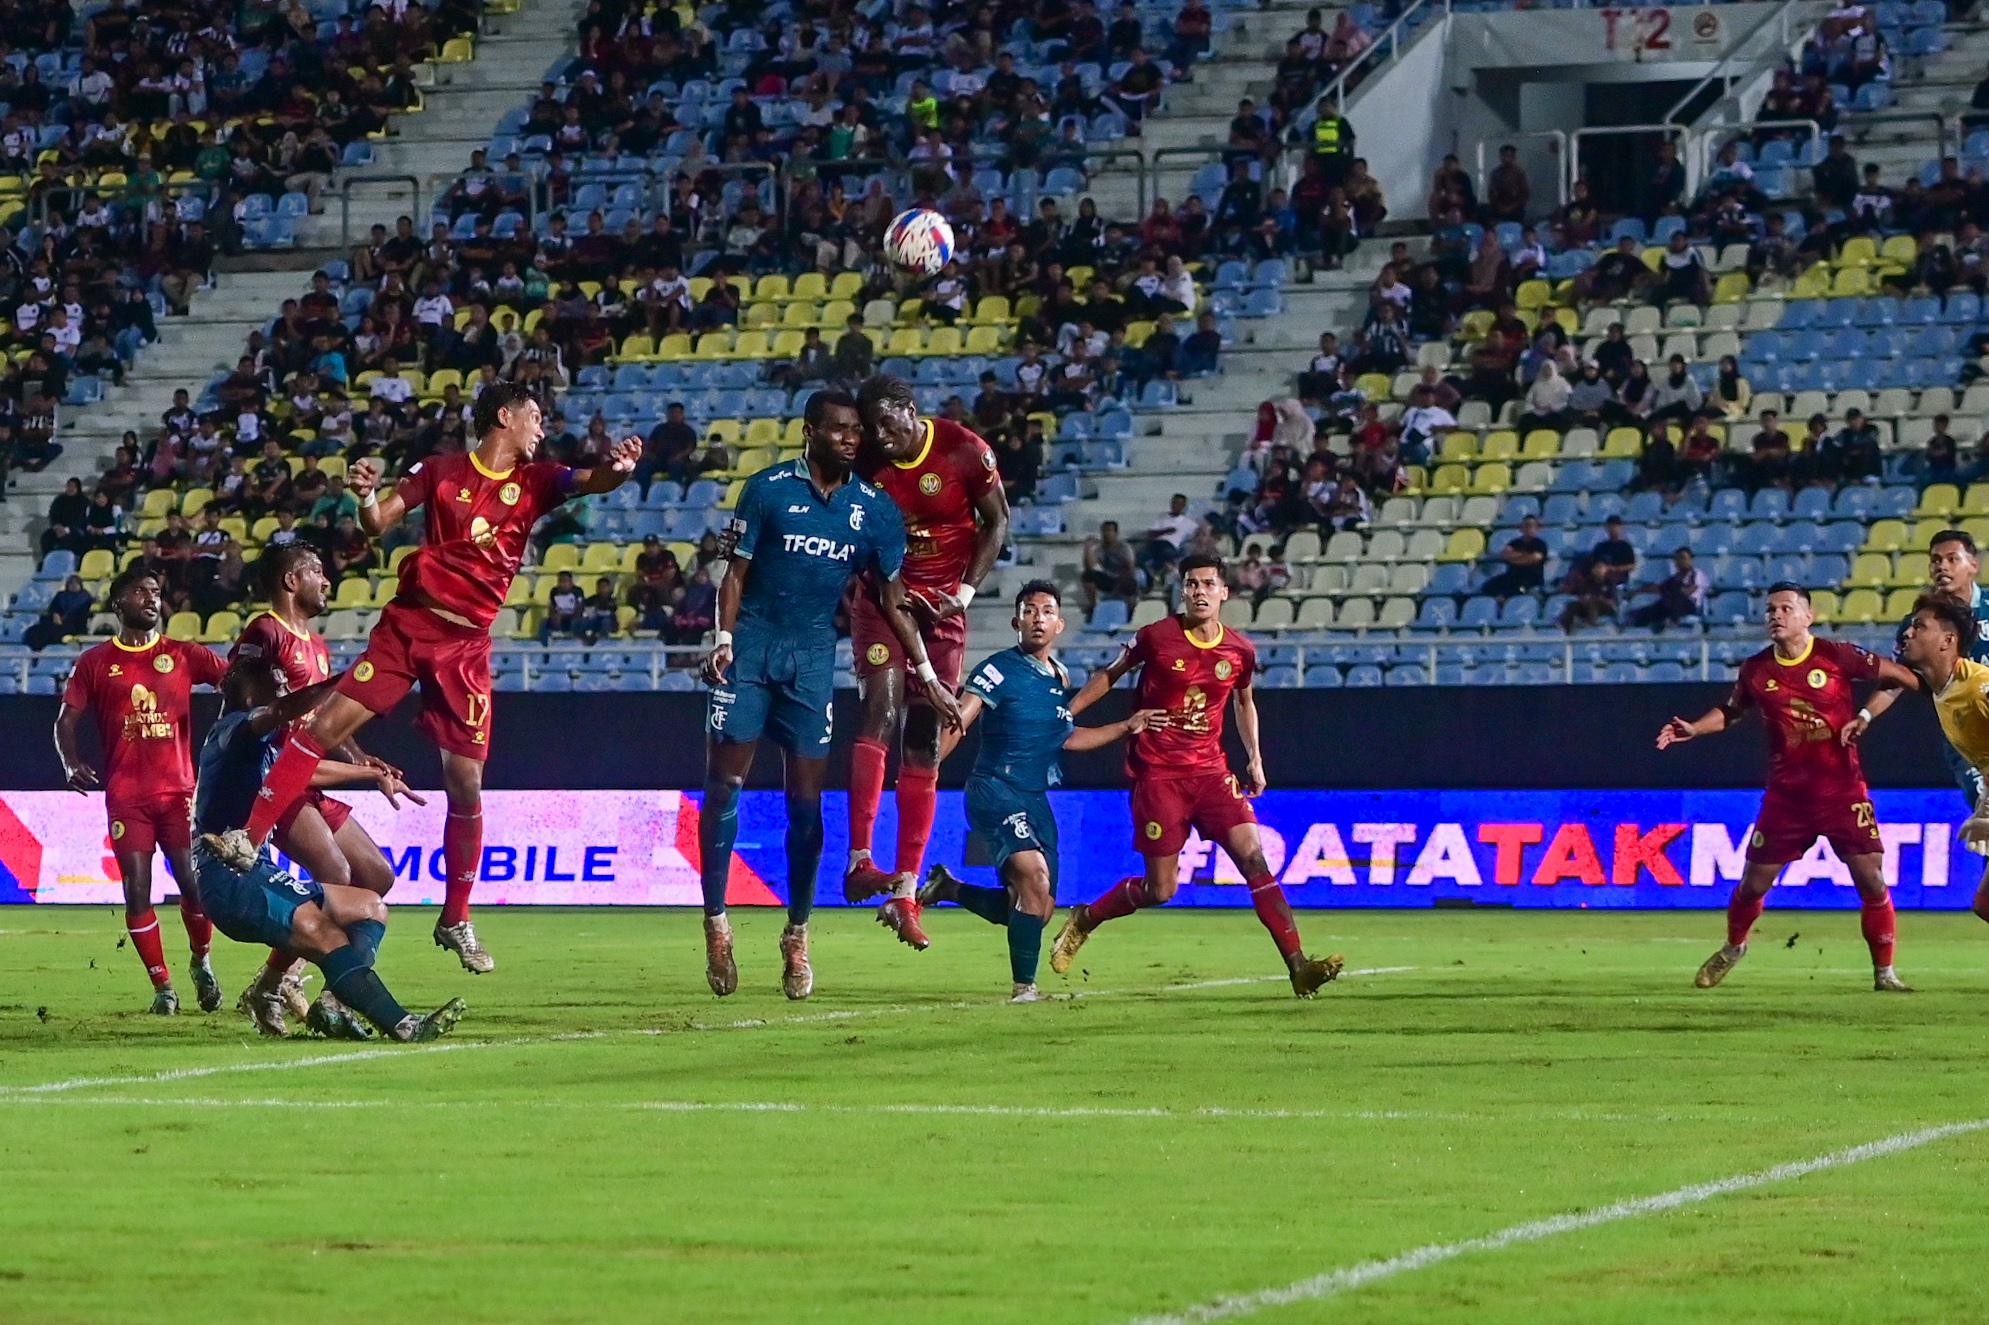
<point x="612" y="472"/>
<point x="970" y="709"/>
<point x="335" y="773"/>
<point x="1095" y="738"/>
<point x="907" y="631"/>
<point x="1248" y="731"/>
<point x="1100" y="682"/>
<point x="1893" y="678"/>
<point x="76" y="770"/>
<point x="1678" y="730"/>
<point x="377" y="513"/>
<point x="289" y="708"/>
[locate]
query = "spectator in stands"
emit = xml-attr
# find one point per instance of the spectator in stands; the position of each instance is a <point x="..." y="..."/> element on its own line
<point x="1507" y="191"/>
<point x="1382" y="346"/>
<point x="1588" y="395"/>
<point x="1345" y="507"/>
<point x="1201" y="350"/>
<point x="1525" y="558"/>
<point x="668" y="450"/>
<point x="1547" y="400"/>
<point x="1851" y="454"/>
<point x="67" y="613"/>
<point x="698" y="610"/>
<point x="1109" y="569"/>
<point x="563" y="609"/>
<point x="1635" y="399"/>
<point x="1421" y="424"/>
<point x="352" y="553"/>
<point x="1166" y="538"/>
<point x="1019" y="463"/>
<point x="1774" y="254"/>
<point x="1835" y="178"/>
<point x="1615" y="557"/>
<point x="35" y="447"/>
<point x="1679" y="597"/>
<point x="600" y="614"/>
<point x="1732" y="397"/>
<point x="1658" y="465"/>
<point x="1665" y="185"/>
<point x="1768" y="460"/>
<point x="1682" y="273"/>
<point x="1677" y="396"/>
<point x="66" y="513"/>
<point x="1940" y="461"/>
<point x="1616" y="275"/>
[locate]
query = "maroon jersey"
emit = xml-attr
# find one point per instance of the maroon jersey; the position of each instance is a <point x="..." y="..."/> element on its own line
<point x="140" y="698"/>
<point x="936" y="490"/>
<point x="1805" y="703"/>
<point x="302" y="655"/>
<point x="477" y="526"/>
<point x="1193" y="682"/>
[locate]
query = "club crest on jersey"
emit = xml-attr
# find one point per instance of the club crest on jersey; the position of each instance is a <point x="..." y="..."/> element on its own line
<point x="1818" y="678"/>
<point x="1152" y="831"/>
<point x="856" y="517"/>
<point x="509" y="494"/>
<point x="929" y="484"/>
<point x="363" y="672"/>
<point x="162" y="664"/>
<point x="1223" y="669"/>
<point x="878" y="654"/>
<point x="987" y="460"/>
<point x="117" y="830"/>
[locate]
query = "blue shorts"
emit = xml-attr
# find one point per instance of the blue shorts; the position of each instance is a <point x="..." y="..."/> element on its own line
<point x="1008" y="821"/>
<point x="255" y="907"/>
<point x="778" y="687"/>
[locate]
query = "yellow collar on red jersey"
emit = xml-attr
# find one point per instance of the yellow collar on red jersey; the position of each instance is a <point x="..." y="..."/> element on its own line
<point x="924" y="450"/>
<point x="1188" y="634"/>
<point x="271" y="614"/>
<point x="136" y="648"/>
<point x="484" y="470"/>
<point x="1799" y="659"/>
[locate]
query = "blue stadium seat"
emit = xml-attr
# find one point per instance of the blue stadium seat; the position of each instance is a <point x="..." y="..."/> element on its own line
<point x="1362" y="674"/>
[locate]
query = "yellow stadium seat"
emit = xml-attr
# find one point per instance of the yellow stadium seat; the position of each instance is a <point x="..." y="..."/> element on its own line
<point x="1449" y="478"/>
<point x="714" y="345"/>
<point x="184" y="626"/>
<point x="1540" y="444"/>
<point x="1500" y="445"/>
<point x="1458" y="447"/>
<point x="1858" y="251"/>
<point x="630" y="551"/>
<point x="790" y="436"/>
<point x="772" y="286"/>
<point x="1938" y="499"/>
<point x="728" y="431"/>
<point x="800" y="315"/>
<point x="1731" y="288"/>
<point x="221" y="628"/>
<point x="236" y="528"/>
<point x="905" y="341"/>
<point x="987" y="340"/>
<point x="1475" y="324"/>
<point x="1534" y="294"/>
<point x="384" y="590"/>
<point x="1885" y="536"/>
<point x="528" y="624"/>
<point x="1814" y="283"/>
<point x="1921" y="532"/>
<point x="1463" y="545"/>
<point x="1490" y="479"/>
<point x="700" y="287"/>
<point x="788" y="343"/>
<point x="457" y="50"/>
<point x="1976" y="500"/>
<point x="833" y="315"/>
<point x="846" y="285"/>
<point x="601" y="559"/>
<point x="810" y="285"/>
<point x="946" y="341"/>
<point x="559" y="557"/>
<point x="520" y="592"/>
<point x="752" y="345"/>
<point x="763" y="315"/>
<point x="635" y="348"/>
<point x="1623" y="444"/>
<point x="1374" y="386"/>
<point x="763" y="432"/>
<point x="1900" y="602"/>
<point x="1851" y="282"/>
<point x="1908" y="572"/>
<point x="195" y="500"/>
<point x="97" y="564"/>
<point x="731" y="498"/>
<point x="1826" y="605"/>
<point x="159" y="503"/>
<point x="676" y="345"/>
<point x="353" y="591"/>
<point x="1872" y="570"/>
<point x="992" y="310"/>
<point x="1860" y="606"/>
<point x="1902" y="249"/>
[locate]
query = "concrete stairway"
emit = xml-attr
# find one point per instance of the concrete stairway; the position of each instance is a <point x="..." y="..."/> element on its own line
<point x="1927" y="86"/>
<point x="462" y="109"/>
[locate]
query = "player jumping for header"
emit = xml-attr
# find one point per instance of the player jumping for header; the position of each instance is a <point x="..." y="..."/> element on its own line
<point x="336" y="926"/>
<point x="1192" y="666"/>
<point x="139" y="685"/>
<point x="802" y="529"/>
<point x="480" y="506"/>
<point x="942" y="477"/>
<point x="1937" y="644"/>
<point x="1803" y="687"/>
<point x="1025" y="693"/>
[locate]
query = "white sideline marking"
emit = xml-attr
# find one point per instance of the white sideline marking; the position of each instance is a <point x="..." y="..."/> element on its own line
<point x="1335" y="1282"/>
<point x="747" y="1023"/>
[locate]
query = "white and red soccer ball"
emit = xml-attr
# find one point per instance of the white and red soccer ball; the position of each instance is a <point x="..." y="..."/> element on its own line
<point x="919" y="241"/>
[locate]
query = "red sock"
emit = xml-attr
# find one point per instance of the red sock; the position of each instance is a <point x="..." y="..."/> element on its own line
<point x="1743" y="909"/>
<point x="1275" y="911"/>
<point x="918" y="797"/>
<point x="1121" y="899"/>
<point x="1879" y="924"/>
<point x="144" y="931"/>
<point x="866" y="787"/>
<point x="280" y="960"/>
<point x="462" y="857"/>
<point x="199" y="929"/>
<point x="289" y="778"/>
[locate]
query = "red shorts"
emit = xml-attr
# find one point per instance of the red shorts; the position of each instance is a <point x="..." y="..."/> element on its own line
<point x="334" y="812"/>
<point x="452" y="663"/>
<point x="878" y="650"/>
<point x="150" y="822"/>
<point x="1164" y="809"/>
<point x="1785" y="829"/>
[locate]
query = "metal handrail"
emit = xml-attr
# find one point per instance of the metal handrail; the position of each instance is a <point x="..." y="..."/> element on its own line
<point x="1392" y="36"/>
<point x="1942" y="123"/>
<point x="1699" y="163"/>
<point x="1558" y="137"/>
<point x="1780" y="14"/>
<point x="1677" y="131"/>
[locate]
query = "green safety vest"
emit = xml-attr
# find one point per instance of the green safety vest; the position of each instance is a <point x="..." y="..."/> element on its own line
<point x="1326" y="135"/>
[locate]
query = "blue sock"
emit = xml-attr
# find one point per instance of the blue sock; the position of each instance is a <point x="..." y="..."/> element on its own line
<point x="351" y="977"/>
<point x="990" y="904"/>
<point x="718" y="828"/>
<point x="804" y="856"/>
<point x="1025" y="946"/>
<point x="366" y="936"/>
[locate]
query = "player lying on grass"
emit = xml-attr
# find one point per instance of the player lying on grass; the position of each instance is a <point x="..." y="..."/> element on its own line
<point x="1192" y="666"/>
<point x="1025" y="694"/>
<point x="138" y="686"/>
<point x="1816" y="788"/>
<point x="803" y="529"/>
<point x="335" y="926"/>
<point x="1937" y="642"/>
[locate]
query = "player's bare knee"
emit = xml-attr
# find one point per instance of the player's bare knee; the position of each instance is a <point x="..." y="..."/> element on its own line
<point x="1254" y="865"/>
<point x="372" y="908"/>
<point x="1161" y="890"/>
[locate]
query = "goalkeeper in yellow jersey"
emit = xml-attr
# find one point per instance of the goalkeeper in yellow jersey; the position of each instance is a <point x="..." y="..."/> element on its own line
<point x="1935" y="645"/>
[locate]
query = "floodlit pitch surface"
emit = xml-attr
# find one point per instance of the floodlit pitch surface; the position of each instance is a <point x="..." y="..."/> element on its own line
<point x="1507" y="1117"/>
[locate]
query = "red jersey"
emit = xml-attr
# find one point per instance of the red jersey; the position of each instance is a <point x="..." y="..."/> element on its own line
<point x="478" y="522"/>
<point x="1193" y="682"/>
<point x="303" y="655"/>
<point x="140" y="698"/>
<point x="936" y="490"/>
<point x="1805" y="704"/>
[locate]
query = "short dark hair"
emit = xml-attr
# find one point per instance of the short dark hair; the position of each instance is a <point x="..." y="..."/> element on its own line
<point x="1788" y="586"/>
<point x="1951" y="612"/>
<point x="278" y="562"/>
<point x="246" y="671"/>
<point x="883" y="392"/>
<point x="497" y="396"/>
<point x="127" y="579"/>
<point x="1195" y="561"/>
<point x="1044" y="587"/>
<point x="822" y="402"/>
<point x="1960" y="536"/>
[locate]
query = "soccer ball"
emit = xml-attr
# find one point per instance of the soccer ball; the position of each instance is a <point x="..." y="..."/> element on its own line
<point x="919" y="241"/>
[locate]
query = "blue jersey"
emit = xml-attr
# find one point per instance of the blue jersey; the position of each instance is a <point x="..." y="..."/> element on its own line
<point x="1979" y="651"/>
<point x="1027" y="720"/>
<point x="805" y="547"/>
<point x="233" y="762"/>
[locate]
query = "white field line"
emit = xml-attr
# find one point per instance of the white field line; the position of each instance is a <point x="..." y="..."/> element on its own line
<point x="1345" y="1280"/>
<point x="747" y="1023"/>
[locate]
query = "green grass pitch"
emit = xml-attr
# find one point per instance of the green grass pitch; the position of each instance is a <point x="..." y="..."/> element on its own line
<point x="604" y="1141"/>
